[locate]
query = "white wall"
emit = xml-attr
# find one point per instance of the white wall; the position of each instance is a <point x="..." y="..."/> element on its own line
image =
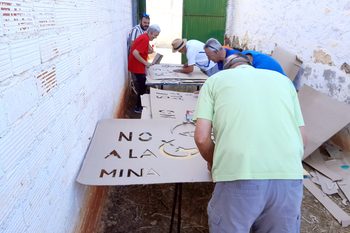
<point x="63" y="68"/>
<point x="168" y="15"/>
<point x="316" y="31"/>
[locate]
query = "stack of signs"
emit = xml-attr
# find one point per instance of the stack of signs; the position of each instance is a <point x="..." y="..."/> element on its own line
<point x="158" y="150"/>
<point x="164" y="73"/>
<point x="324" y="117"/>
<point x="332" y="173"/>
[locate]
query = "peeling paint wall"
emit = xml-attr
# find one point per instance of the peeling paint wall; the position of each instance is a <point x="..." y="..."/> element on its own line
<point x="63" y="68"/>
<point x="317" y="32"/>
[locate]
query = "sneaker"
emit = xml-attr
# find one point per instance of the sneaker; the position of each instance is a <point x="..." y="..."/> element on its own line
<point x="138" y="110"/>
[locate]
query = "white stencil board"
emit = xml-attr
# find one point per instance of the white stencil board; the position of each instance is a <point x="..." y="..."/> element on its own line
<point x="323" y="117"/>
<point x="166" y="71"/>
<point x="146" y="107"/>
<point x="172" y="104"/>
<point x="139" y="157"/>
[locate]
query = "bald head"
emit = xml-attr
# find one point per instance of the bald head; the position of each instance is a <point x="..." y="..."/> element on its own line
<point x="235" y="60"/>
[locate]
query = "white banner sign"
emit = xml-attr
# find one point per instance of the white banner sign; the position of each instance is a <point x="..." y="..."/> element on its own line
<point x="133" y="151"/>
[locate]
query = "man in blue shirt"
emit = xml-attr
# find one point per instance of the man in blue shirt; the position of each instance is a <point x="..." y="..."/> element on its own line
<point x="217" y="54"/>
<point x="263" y="61"/>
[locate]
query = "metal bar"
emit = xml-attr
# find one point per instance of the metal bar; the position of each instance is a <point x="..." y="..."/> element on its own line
<point x="179" y="209"/>
<point x="173" y="211"/>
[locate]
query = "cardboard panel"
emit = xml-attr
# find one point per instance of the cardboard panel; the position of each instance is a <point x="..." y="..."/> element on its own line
<point x="146" y="104"/>
<point x="335" y="210"/>
<point x="289" y="62"/>
<point x="323" y="116"/>
<point x="133" y="151"/>
<point x="316" y="161"/>
<point x="157" y="59"/>
<point x="165" y="71"/>
<point x="172" y="104"/>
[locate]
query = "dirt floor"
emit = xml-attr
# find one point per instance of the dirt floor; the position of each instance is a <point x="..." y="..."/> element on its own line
<point x="148" y="208"/>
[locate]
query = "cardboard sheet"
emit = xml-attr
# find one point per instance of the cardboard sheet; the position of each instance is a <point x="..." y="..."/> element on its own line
<point x="172" y="104"/>
<point x="157" y="59"/>
<point x="289" y="62"/>
<point x="146" y="104"/>
<point x="133" y="151"/>
<point x="328" y="186"/>
<point x="334" y="209"/>
<point x="323" y="117"/>
<point x="341" y="167"/>
<point x="316" y="161"/>
<point x="165" y="71"/>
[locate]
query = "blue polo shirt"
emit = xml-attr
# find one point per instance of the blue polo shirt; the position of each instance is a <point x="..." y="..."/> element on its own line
<point x="263" y="61"/>
<point x="228" y="53"/>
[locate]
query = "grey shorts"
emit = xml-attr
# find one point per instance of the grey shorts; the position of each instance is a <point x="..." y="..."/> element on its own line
<point x="260" y="205"/>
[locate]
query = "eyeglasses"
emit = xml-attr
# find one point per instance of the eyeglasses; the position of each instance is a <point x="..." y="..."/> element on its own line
<point x="212" y="47"/>
<point x="145" y="15"/>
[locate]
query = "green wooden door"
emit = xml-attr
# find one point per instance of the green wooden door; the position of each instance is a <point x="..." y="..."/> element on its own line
<point x="204" y="19"/>
<point x="141" y="7"/>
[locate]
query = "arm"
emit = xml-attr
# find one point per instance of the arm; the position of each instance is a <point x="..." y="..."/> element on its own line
<point x="140" y="59"/>
<point x="185" y="65"/>
<point x="303" y="135"/>
<point x="202" y="137"/>
<point x="187" y="70"/>
<point x="131" y="43"/>
<point x="150" y="49"/>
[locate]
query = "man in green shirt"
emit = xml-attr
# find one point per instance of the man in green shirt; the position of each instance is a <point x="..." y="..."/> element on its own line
<point x="256" y="158"/>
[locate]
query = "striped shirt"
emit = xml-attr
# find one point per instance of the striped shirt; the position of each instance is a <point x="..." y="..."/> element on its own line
<point x="134" y="33"/>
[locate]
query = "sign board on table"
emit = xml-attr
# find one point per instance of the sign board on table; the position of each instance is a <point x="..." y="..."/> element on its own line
<point x="166" y="71"/>
<point x="134" y="151"/>
<point x="172" y="104"/>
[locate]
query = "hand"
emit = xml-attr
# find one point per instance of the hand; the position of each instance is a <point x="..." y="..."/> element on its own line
<point x="185" y="66"/>
<point x="176" y="70"/>
<point x="196" y="92"/>
<point x="209" y="166"/>
<point x="148" y="64"/>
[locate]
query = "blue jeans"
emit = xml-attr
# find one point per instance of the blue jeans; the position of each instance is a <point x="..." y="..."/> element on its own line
<point x="261" y="205"/>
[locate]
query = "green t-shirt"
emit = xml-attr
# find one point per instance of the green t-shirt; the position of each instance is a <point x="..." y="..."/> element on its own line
<point x="256" y="116"/>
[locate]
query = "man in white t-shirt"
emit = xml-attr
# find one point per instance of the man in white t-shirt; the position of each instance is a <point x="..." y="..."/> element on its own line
<point x="195" y="55"/>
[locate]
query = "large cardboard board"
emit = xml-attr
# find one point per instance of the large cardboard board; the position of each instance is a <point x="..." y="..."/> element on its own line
<point x="146" y="105"/>
<point x="323" y="117"/>
<point x="133" y="151"/>
<point x="172" y="104"/>
<point x="166" y="71"/>
<point x="289" y="62"/>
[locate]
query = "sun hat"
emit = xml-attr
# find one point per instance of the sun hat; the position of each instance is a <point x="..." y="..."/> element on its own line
<point x="178" y="44"/>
